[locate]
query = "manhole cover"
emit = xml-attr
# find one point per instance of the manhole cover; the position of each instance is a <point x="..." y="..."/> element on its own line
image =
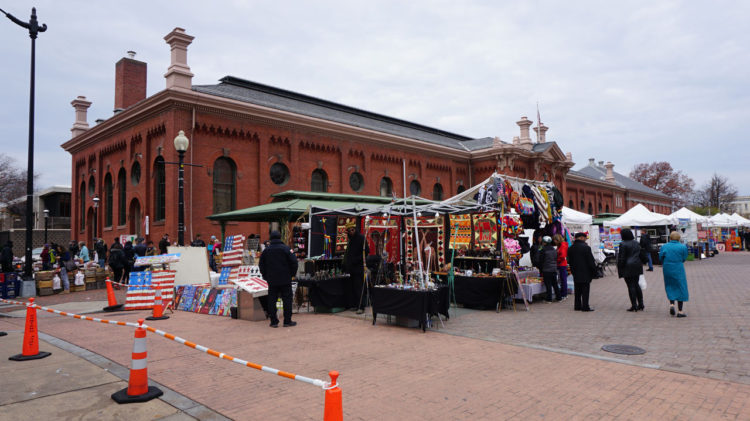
<point x="624" y="349"/>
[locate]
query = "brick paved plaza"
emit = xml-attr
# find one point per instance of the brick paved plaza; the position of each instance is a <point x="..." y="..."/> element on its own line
<point x="544" y="363"/>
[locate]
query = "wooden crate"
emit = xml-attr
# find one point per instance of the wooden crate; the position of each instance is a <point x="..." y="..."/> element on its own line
<point x="44" y="291"/>
<point x="44" y="284"/>
<point x="45" y="275"/>
<point x="78" y="288"/>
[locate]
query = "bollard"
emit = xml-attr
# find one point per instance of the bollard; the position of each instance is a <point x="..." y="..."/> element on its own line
<point x="333" y="409"/>
<point x="30" y="350"/>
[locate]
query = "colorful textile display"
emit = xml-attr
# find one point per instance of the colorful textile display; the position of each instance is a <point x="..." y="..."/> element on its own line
<point x="512" y="225"/>
<point x="432" y="230"/>
<point x="206" y="300"/>
<point x="512" y="246"/>
<point x="460" y="231"/>
<point x="485" y="230"/>
<point x="341" y="238"/>
<point x="382" y="234"/>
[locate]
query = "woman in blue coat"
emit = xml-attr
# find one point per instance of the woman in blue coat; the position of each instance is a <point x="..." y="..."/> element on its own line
<point x="672" y="255"/>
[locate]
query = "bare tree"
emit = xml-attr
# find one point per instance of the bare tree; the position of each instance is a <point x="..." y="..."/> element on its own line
<point x="662" y="177"/>
<point x="717" y="193"/>
<point x="12" y="180"/>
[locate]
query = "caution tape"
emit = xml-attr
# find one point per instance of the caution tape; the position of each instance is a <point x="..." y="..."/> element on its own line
<point x="316" y="382"/>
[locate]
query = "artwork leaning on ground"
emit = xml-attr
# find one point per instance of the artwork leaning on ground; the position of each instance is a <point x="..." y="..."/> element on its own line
<point x="205" y="300"/>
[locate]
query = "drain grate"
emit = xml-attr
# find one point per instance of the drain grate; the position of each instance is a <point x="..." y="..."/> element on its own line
<point x="624" y="349"/>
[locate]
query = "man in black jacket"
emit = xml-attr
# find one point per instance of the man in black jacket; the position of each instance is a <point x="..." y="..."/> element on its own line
<point x="101" y="251"/>
<point x="278" y="265"/>
<point x="354" y="265"/>
<point x="582" y="267"/>
<point x="646" y="246"/>
<point x="7" y="257"/>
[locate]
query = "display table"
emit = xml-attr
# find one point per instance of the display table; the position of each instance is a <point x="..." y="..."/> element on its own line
<point x="530" y="289"/>
<point x="417" y="305"/>
<point x="482" y="291"/>
<point x="326" y="292"/>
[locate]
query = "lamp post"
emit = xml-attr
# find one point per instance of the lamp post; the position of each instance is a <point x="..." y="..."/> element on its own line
<point x="96" y="207"/>
<point x="33" y="26"/>
<point x="181" y="143"/>
<point x="46" y="217"/>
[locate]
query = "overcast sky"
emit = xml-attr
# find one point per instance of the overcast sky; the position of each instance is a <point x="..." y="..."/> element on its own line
<point x="627" y="82"/>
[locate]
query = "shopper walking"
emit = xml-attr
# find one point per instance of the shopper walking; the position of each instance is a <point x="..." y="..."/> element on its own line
<point x="645" y="244"/>
<point x="562" y="264"/>
<point x="45" y="256"/>
<point x="548" y="264"/>
<point x="66" y="265"/>
<point x="278" y="265"/>
<point x="673" y="255"/>
<point x="117" y="262"/>
<point x="582" y="267"/>
<point x="129" y="260"/>
<point x="354" y="265"/>
<point x="630" y="266"/>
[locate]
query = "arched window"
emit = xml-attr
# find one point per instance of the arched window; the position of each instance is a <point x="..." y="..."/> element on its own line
<point x="319" y="181"/>
<point x="386" y="187"/>
<point x="437" y="192"/>
<point x="108" y="199"/>
<point x="600" y="207"/>
<point x="607" y="207"/>
<point x="122" y="196"/>
<point x="82" y="200"/>
<point x="460" y="189"/>
<point x="591" y="209"/>
<point x="135" y="173"/>
<point x="225" y="177"/>
<point x="415" y="188"/>
<point x="570" y="204"/>
<point x="583" y="206"/>
<point x="92" y="186"/>
<point x="160" y="190"/>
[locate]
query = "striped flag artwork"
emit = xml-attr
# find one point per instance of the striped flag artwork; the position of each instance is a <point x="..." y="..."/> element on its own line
<point x="141" y="292"/>
<point x="231" y="258"/>
<point x="249" y="279"/>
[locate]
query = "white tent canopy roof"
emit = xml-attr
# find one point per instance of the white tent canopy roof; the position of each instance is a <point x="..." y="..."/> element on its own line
<point x="572" y="216"/>
<point x="721" y="220"/>
<point x="685" y="213"/>
<point x="742" y="221"/>
<point x="640" y="216"/>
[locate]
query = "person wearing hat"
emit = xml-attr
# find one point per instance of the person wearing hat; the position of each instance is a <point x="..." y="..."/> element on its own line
<point x="354" y="265"/>
<point x="277" y="265"/>
<point x="548" y="265"/>
<point x="582" y="267"/>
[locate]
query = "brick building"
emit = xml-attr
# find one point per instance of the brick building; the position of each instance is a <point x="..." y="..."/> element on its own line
<point x="253" y="140"/>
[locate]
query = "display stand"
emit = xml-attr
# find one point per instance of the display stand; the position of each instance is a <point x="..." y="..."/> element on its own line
<point x="251" y="288"/>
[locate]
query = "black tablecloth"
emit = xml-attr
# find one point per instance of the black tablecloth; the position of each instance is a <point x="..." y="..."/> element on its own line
<point x="408" y="303"/>
<point x="482" y="291"/>
<point x="326" y="292"/>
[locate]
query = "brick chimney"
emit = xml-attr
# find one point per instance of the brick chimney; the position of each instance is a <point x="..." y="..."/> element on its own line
<point x="610" y="177"/>
<point x="130" y="82"/>
<point x="541" y="132"/>
<point x="524" y="123"/>
<point x="178" y="74"/>
<point x="81" y="124"/>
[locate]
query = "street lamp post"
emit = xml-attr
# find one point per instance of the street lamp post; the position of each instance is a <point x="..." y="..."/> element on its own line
<point x="46" y="217"/>
<point x="181" y="143"/>
<point x="33" y="26"/>
<point x="96" y="207"/>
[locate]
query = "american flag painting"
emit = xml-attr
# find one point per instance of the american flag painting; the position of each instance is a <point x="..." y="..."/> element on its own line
<point x="231" y="258"/>
<point x="141" y="291"/>
<point x="250" y="279"/>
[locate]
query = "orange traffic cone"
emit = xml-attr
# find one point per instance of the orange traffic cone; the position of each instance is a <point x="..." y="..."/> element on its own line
<point x="138" y="389"/>
<point x="158" y="309"/>
<point x="30" y="338"/>
<point x="333" y="410"/>
<point x="111" y="299"/>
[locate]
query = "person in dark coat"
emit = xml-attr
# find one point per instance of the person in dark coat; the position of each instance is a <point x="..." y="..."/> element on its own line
<point x="278" y="265"/>
<point x="536" y="249"/>
<point x="582" y="267"/>
<point x="101" y="251"/>
<point x="548" y="265"/>
<point x="163" y="244"/>
<point x="645" y="244"/>
<point x="6" y="257"/>
<point x="129" y="260"/>
<point x="630" y="267"/>
<point x="354" y="265"/>
<point x="117" y="262"/>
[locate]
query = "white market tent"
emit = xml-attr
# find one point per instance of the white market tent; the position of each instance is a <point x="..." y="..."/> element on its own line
<point x="640" y="216"/>
<point x="685" y="213"/>
<point x="721" y="220"/>
<point x="572" y="216"/>
<point x="741" y="221"/>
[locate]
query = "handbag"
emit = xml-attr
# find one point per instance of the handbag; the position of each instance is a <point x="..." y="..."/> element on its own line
<point x="642" y="281"/>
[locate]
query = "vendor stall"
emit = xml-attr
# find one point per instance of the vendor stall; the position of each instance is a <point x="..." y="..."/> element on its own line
<point x="414" y="304"/>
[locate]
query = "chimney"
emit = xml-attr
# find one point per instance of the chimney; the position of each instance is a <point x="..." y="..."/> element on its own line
<point x="130" y="82"/>
<point x="610" y="177"/>
<point x="592" y="162"/>
<point x="81" y="124"/>
<point x="178" y="74"/>
<point x="496" y="142"/>
<point x="601" y="163"/>
<point x="516" y="140"/>
<point x="524" y="124"/>
<point x="569" y="157"/>
<point x="541" y="132"/>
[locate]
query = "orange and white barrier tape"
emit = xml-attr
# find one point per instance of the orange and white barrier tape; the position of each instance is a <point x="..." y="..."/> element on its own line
<point x="316" y="382"/>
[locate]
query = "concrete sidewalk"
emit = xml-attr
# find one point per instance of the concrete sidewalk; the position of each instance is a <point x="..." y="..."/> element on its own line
<point x="74" y="383"/>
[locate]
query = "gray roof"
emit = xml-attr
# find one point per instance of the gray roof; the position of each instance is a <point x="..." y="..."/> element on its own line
<point x="476" y="144"/>
<point x="541" y="147"/>
<point x="280" y="99"/>
<point x="592" y="170"/>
